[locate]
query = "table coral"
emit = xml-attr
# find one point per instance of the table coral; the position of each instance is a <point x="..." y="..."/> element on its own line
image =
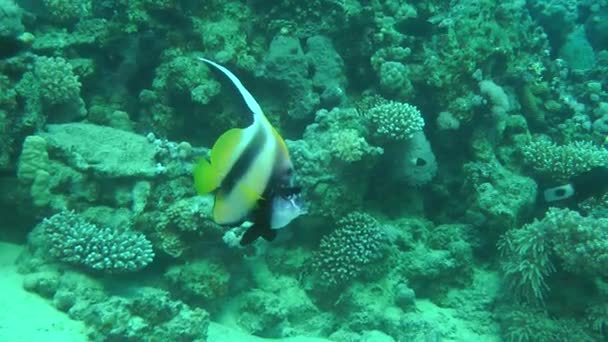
<point x="105" y="151"/>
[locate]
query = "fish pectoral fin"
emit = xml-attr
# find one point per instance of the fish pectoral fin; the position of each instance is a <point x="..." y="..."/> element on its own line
<point x="206" y="177"/>
<point x="225" y="149"/>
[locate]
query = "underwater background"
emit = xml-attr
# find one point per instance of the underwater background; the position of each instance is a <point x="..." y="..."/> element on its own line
<point x="426" y="136"/>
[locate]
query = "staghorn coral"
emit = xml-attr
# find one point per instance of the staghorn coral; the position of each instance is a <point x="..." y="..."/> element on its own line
<point x="74" y="240"/>
<point x="525" y="324"/>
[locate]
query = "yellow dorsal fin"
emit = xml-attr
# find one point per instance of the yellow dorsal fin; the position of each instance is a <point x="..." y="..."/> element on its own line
<point x="206" y="178"/>
<point x="224" y="151"/>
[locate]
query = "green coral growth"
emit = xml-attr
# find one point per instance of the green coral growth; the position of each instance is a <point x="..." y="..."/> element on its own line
<point x="356" y="243"/>
<point x="579" y="243"/>
<point x="527" y="261"/>
<point x="56" y="80"/>
<point x="396" y="120"/>
<point x="563" y="161"/>
<point x="76" y="241"/>
<point x="65" y="11"/>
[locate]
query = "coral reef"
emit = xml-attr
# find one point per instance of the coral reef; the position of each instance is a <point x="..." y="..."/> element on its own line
<point x="421" y="134"/>
<point x="565" y="161"/>
<point x="343" y="254"/>
<point x="76" y="241"/>
<point x="577" y="242"/>
<point x="396" y="121"/>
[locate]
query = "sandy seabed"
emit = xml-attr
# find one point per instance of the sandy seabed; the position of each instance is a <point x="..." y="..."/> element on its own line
<point x="26" y="316"/>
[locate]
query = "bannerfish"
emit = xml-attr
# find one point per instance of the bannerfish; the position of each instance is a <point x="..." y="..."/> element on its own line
<point x="250" y="173"/>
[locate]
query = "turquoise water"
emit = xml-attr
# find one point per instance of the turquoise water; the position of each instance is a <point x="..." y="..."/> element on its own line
<point x="405" y="170"/>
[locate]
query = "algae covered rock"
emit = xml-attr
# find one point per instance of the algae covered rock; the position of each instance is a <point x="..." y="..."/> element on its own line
<point x="201" y="280"/>
<point x="150" y="316"/>
<point x="10" y="19"/>
<point x="34" y="158"/>
<point x="103" y="150"/>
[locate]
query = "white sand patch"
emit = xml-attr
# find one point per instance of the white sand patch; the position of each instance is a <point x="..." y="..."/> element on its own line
<point x="26" y="316"/>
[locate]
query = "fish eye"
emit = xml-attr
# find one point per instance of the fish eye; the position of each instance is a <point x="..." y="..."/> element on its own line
<point x="560" y="192"/>
<point x="420" y="162"/>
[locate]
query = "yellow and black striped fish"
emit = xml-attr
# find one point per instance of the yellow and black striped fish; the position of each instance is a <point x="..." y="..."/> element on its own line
<point x="250" y="172"/>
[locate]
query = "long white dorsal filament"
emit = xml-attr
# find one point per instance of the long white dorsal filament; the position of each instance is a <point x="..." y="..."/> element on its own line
<point x="251" y="102"/>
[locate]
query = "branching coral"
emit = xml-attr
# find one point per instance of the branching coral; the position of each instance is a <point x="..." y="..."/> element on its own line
<point x="357" y="242"/>
<point x="396" y="120"/>
<point x="78" y="242"/>
<point x="563" y="161"/>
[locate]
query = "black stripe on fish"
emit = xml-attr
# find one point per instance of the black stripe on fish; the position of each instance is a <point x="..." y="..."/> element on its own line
<point x="245" y="160"/>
